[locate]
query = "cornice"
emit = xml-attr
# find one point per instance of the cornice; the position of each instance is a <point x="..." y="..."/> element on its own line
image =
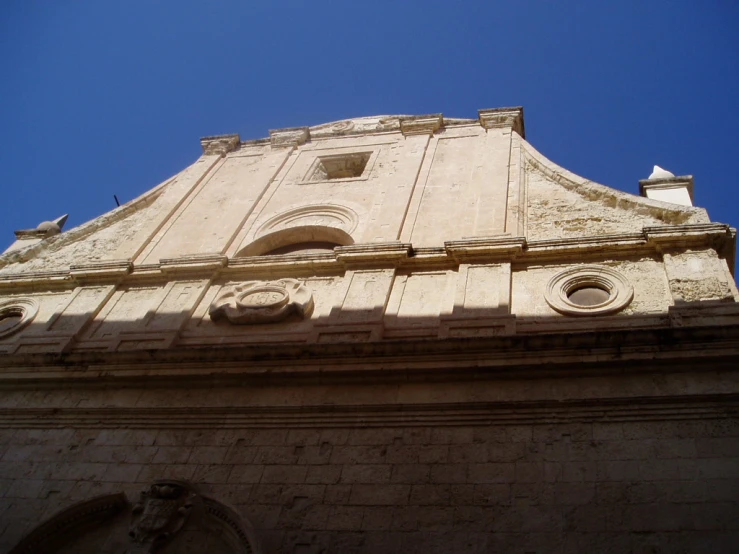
<point x="220" y="144"/>
<point x="289" y="137"/>
<point x="667" y="183"/>
<point x="421" y="124"/>
<point x="688" y="346"/>
<point x="485" y="249"/>
<point x="503" y="118"/>
<point x="682" y="236"/>
<point x="382" y="253"/>
<point x="205" y="263"/>
<point x="101" y="271"/>
<point x="495" y="249"/>
<point x="372" y="416"/>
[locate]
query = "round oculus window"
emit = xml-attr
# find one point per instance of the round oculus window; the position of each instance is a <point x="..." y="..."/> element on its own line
<point x="589" y="296"/>
<point x="15" y="314"/>
<point x="588" y="290"/>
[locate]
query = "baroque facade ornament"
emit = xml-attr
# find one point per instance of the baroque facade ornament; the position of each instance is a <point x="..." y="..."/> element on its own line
<point x="15" y="314"/>
<point x="159" y="514"/>
<point x="600" y="291"/>
<point x="262" y="302"/>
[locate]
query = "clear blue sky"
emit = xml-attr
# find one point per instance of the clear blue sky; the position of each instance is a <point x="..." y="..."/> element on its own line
<point x="111" y="97"/>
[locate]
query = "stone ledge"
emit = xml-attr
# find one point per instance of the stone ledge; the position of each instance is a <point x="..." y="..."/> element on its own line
<point x="503" y="118"/>
<point x="485" y="249"/>
<point x="421" y="124"/>
<point x="220" y="144"/>
<point x="633" y="349"/>
<point x="289" y="137"/>
<point x="543" y="412"/>
<point x="496" y="249"/>
<point x="104" y="271"/>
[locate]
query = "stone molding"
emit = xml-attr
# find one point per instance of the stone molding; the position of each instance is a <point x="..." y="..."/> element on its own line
<point x="537" y="412"/>
<point x="220" y="144"/>
<point x="101" y="271"/>
<point x="373" y="253"/>
<point x="709" y="334"/>
<point x="161" y="512"/>
<point x="344" y="218"/>
<point x="25" y="308"/>
<point x="421" y="124"/>
<point x="262" y="302"/>
<point x="652" y="240"/>
<point x="45" y="537"/>
<point x="289" y="137"/>
<point x="684" y="181"/>
<point x="485" y="249"/>
<point x="620" y="291"/>
<point x="670" y="214"/>
<point x="199" y="263"/>
<point x="503" y="118"/>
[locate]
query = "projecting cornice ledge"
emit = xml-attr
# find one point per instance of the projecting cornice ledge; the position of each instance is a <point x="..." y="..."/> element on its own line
<point x="497" y="249"/>
<point x="503" y="118"/>
<point x="220" y="144"/>
<point x="421" y="124"/>
<point x="485" y="249"/>
<point x="289" y="137"/>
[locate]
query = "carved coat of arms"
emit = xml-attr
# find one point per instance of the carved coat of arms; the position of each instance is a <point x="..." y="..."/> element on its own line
<point x="262" y="302"/>
<point x="160" y="512"/>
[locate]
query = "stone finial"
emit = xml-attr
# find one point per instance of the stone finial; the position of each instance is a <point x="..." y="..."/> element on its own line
<point x="502" y="118"/>
<point x="53" y="227"/>
<point x="421" y="124"/>
<point x="45" y="229"/>
<point x="292" y="136"/>
<point x="663" y="185"/>
<point x="220" y="144"/>
<point x="659" y="173"/>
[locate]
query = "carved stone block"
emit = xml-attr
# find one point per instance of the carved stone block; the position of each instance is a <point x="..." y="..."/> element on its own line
<point x="262" y="302"/>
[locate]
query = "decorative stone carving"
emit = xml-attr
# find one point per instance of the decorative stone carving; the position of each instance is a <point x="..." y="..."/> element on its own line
<point x="48" y="536"/>
<point x="260" y="302"/>
<point x="421" y="124"/>
<point x="593" y="281"/>
<point x="294" y="136"/>
<point x="220" y="144"/>
<point x="325" y="215"/>
<point x="159" y="514"/>
<point x="15" y="314"/>
<point x="170" y="516"/>
<point x="343" y="126"/>
<point x="503" y="118"/>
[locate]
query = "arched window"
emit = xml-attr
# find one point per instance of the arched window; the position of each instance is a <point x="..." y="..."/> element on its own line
<point x="301" y="239"/>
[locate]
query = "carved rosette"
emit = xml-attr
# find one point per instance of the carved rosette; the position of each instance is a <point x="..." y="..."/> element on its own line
<point x="262" y="302"/>
<point x="159" y="514"/>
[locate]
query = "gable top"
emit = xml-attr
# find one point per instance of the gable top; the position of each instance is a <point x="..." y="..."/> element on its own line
<point x="545" y="201"/>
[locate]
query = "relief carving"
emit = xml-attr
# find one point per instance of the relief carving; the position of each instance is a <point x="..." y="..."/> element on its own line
<point x="159" y="514"/>
<point x="170" y="516"/>
<point x="262" y="302"/>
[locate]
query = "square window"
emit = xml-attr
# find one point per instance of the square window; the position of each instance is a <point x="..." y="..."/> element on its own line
<point x="341" y="166"/>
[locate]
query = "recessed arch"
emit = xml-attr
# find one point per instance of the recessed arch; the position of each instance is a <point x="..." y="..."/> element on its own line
<point x="303" y="234"/>
<point x="183" y="516"/>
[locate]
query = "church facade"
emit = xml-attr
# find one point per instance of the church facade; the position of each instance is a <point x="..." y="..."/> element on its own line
<point x="384" y="334"/>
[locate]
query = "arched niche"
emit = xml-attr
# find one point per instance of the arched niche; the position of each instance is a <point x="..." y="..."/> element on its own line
<point x="169" y="517"/>
<point x="295" y="239"/>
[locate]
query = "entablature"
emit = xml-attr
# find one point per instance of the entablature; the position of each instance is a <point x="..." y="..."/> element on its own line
<point x="500" y="249"/>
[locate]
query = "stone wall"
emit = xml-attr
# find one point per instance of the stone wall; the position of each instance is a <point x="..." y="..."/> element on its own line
<point x="629" y="486"/>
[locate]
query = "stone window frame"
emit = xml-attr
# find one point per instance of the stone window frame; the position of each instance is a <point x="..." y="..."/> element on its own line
<point x="372" y="152"/>
<point x="620" y="292"/>
<point x="27" y="308"/>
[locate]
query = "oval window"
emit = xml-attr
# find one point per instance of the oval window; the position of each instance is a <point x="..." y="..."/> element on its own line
<point x="588" y="296"/>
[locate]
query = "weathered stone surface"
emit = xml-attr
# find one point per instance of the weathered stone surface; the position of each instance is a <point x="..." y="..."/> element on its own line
<point x="438" y="386"/>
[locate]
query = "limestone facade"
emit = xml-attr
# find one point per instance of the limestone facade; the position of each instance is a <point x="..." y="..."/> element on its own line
<point x="385" y="334"/>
